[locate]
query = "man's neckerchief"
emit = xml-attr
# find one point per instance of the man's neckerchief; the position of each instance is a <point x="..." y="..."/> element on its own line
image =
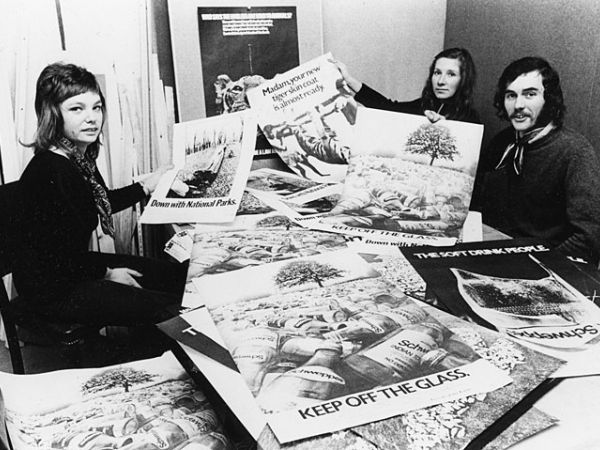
<point x="86" y="165"/>
<point x="516" y="149"/>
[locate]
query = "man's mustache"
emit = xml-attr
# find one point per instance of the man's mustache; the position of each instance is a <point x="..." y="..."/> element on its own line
<point x="519" y="113"/>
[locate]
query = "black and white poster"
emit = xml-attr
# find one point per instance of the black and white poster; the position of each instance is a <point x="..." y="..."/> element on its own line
<point x="212" y="159"/>
<point x="142" y="404"/>
<point x="308" y="115"/>
<point x="519" y="287"/>
<point x="242" y="46"/>
<point x="343" y="354"/>
<point x="408" y="179"/>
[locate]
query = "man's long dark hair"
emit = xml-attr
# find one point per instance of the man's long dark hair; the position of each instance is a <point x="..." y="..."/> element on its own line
<point x="56" y="83"/>
<point x="459" y="106"/>
<point x="554" y="106"/>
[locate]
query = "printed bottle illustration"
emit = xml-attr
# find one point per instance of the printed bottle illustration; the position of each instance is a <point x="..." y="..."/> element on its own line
<point x="301" y="348"/>
<point x="309" y="383"/>
<point x="275" y="369"/>
<point x="92" y="440"/>
<point x="405" y="313"/>
<point x="393" y="358"/>
<point x="209" y="441"/>
<point x="303" y="324"/>
<point x="117" y="428"/>
<point x="455" y="353"/>
<point x="326" y="315"/>
<point x="368" y="326"/>
<point x="257" y="348"/>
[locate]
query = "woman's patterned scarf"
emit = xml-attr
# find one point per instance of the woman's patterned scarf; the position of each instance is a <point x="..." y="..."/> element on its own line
<point x="86" y="164"/>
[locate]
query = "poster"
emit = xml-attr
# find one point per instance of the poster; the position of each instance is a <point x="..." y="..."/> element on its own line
<point x="222" y="252"/>
<point x="289" y="187"/>
<point x="297" y="274"/>
<point x="272" y="219"/>
<point x="144" y="404"/>
<point x="212" y="159"/>
<point x="408" y="179"/>
<point x="342" y="355"/>
<point x="228" y="45"/>
<point x="253" y="44"/>
<point x="450" y="426"/>
<point x="308" y="114"/>
<point x="519" y="287"/>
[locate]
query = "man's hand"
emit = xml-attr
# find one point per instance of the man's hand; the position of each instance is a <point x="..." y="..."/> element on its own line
<point x="123" y="275"/>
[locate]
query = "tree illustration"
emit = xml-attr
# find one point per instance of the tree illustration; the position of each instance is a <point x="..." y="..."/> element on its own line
<point x="298" y="273"/>
<point x="123" y="377"/>
<point x="433" y="140"/>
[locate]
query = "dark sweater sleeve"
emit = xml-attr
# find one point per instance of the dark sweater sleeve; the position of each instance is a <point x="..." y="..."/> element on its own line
<point x="372" y="99"/>
<point x="124" y="197"/>
<point x="582" y="186"/>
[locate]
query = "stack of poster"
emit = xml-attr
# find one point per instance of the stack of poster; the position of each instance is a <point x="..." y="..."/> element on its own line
<point x="408" y="180"/>
<point x="324" y="344"/>
<point x="212" y="159"/>
<point x="449" y="425"/>
<point x="150" y="404"/>
<point x="519" y="287"/>
<point x="308" y="114"/>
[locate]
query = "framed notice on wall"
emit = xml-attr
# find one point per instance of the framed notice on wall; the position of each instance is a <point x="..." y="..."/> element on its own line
<point x="222" y="47"/>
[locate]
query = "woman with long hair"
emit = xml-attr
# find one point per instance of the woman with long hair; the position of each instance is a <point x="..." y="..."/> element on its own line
<point x="448" y="91"/>
<point x="64" y="199"/>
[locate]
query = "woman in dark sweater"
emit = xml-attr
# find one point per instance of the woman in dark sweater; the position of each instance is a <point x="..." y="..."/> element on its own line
<point x="64" y="197"/>
<point x="448" y="91"/>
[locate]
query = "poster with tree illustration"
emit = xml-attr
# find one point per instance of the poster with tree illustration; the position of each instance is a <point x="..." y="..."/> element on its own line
<point x="146" y="404"/>
<point x="408" y="179"/>
<point x="299" y="274"/>
<point x="325" y="351"/>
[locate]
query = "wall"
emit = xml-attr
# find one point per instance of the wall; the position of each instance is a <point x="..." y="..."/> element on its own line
<point x="388" y="44"/>
<point x="30" y="39"/>
<point x="565" y="32"/>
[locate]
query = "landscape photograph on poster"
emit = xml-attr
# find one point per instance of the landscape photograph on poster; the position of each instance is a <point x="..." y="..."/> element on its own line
<point x="277" y="182"/>
<point x="220" y="252"/>
<point x="296" y="274"/>
<point x="212" y="159"/>
<point x="408" y="178"/>
<point x="250" y="204"/>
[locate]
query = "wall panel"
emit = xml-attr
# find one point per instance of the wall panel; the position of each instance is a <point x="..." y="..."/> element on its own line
<point x="562" y="31"/>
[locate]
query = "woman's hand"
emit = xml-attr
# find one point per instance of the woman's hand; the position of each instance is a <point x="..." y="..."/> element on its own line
<point x="353" y="83"/>
<point x="179" y="187"/>
<point x="150" y="182"/>
<point x="123" y="275"/>
<point x="433" y="116"/>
